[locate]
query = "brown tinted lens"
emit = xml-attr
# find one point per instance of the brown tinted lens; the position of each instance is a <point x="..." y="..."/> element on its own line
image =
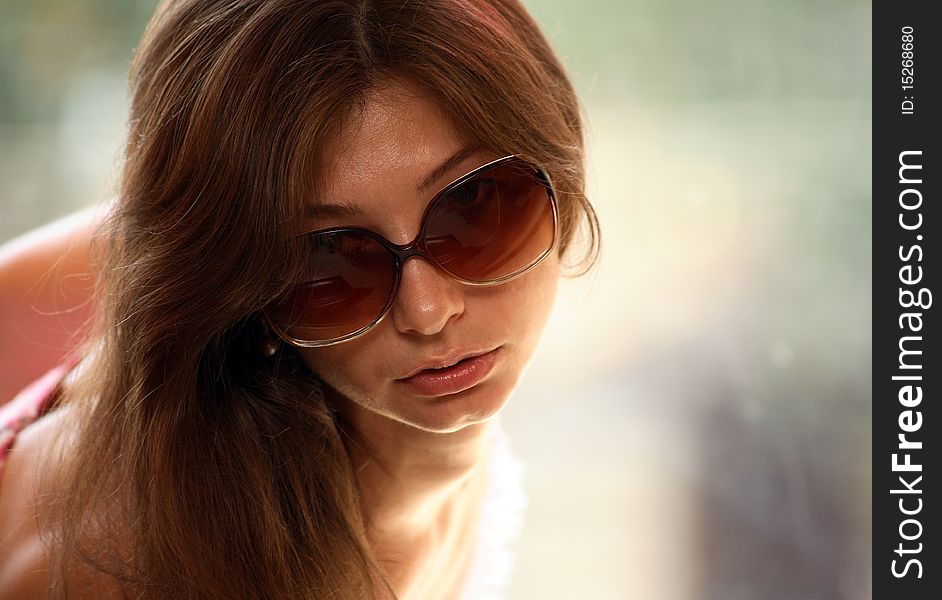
<point x="349" y="282"/>
<point x="492" y="226"/>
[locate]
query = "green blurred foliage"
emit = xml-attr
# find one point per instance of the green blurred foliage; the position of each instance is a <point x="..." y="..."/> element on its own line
<point x="46" y="44"/>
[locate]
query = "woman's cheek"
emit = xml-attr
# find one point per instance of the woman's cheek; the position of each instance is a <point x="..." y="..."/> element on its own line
<point x="529" y="299"/>
<point x="326" y="364"/>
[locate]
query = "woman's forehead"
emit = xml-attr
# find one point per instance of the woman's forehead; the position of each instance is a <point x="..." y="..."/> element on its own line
<point x="395" y="128"/>
<point x="397" y="145"/>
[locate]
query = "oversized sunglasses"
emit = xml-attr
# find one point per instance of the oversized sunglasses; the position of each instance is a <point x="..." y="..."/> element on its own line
<point x="487" y="227"/>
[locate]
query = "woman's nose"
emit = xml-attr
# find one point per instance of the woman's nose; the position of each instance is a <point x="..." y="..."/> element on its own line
<point x="427" y="299"/>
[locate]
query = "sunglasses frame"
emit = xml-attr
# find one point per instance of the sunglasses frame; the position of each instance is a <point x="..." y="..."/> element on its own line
<point x="417" y="247"/>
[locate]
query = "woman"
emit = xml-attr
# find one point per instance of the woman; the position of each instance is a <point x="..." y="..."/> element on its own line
<point x="335" y="247"/>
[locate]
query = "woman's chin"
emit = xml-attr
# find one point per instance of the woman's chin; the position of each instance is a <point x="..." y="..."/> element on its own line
<point x="453" y="412"/>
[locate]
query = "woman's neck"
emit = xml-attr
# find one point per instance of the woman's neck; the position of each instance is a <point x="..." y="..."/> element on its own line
<point x="421" y="494"/>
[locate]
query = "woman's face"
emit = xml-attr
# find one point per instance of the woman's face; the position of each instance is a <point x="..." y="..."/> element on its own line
<point x="382" y="165"/>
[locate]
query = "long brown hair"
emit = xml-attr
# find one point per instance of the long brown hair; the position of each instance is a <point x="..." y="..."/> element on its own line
<point x="202" y="468"/>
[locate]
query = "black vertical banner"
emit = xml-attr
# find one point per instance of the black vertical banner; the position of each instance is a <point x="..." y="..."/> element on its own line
<point x="907" y="166"/>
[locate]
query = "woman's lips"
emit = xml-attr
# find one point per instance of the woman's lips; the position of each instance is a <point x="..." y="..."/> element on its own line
<point x="459" y="377"/>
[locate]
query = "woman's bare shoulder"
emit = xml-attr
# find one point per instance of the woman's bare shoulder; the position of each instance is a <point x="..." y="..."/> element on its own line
<point x="47" y="291"/>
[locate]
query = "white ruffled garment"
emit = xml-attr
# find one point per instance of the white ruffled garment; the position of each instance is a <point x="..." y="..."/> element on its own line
<point x="501" y="521"/>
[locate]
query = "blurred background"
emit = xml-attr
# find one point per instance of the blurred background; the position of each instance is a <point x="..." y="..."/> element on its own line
<point x="697" y="421"/>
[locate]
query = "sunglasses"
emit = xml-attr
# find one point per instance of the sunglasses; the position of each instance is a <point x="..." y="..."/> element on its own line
<point x="487" y="227"/>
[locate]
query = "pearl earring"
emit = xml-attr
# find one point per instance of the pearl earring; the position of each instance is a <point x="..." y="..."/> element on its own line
<point x="268" y="347"/>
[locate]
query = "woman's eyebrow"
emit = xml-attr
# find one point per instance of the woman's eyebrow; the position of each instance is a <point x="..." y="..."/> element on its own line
<point x="348" y="209"/>
<point x="449" y="164"/>
<point x="332" y="211"/>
